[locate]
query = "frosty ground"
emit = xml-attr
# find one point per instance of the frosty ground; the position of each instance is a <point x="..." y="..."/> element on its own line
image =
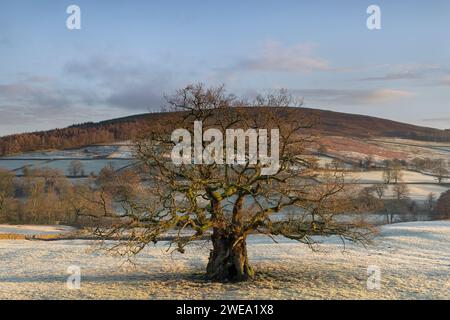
<point x="414" y="260"/>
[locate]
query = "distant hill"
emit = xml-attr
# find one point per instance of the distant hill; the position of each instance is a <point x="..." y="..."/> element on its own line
<point x="329" y="123"/>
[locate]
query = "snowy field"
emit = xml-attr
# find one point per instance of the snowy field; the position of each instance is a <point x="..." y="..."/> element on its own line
<point x="377" y="177"/>
<point x="93" y="158"/>
<point x="30" y="230"/>
<point x="416" y="192"/>
<point x="413" y="260"/>
<point x="419" y="185"/>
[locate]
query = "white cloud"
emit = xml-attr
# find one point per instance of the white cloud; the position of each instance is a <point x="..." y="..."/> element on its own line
<point x="386" y="95"/>
<point x="445" y="81"/>
<point x="340" y="97"/>
<point x="275" y="56"/>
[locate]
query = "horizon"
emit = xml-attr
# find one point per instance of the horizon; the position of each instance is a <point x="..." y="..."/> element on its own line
<point x="126" y="56"/>
<point x="161" y="112"/>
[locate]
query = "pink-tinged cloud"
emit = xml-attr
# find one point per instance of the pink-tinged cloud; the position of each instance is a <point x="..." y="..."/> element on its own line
<point x="386" y="95"/>
<point x="276" y="57"/>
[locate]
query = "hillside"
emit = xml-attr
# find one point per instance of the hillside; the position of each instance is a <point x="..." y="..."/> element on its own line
<point x="329" y="124"/>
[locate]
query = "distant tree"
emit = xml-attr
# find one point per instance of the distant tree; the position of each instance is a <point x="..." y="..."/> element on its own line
<point x="418" y="164"/>
<point x="85" y="204"/>
<point x="106" y="176"/>
<point x="337" y="164"/>
<point x="392" y="171"/>
<point x="380" y="190"/>
<point x="397" y="174"/>
<point x="6" y="188"/>
<point x="35" y="197"/>
<point x="76" y="168"/>
<point x="367" y="201"/>
<point x="430" y="202"/>
<point x="54" y="179"/>
<point x="440" y="170"/>
<point x="387" y="175"/>
<point x="443" y="206"/>
<point x="414" y="209"/>
<point x="368" y="162"/>
<point x="26" y="170"/>
<point x="401" y="191"/>
<point x="400" y="204"/>
<point x="41" y="193"/>
<point x="279" y="98"/>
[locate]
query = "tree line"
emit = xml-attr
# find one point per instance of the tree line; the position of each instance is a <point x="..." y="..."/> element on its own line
<point x="71" y="137"/>
<point x="46" y="196"/>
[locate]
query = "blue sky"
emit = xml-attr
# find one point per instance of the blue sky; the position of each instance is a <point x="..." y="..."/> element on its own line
<point x="129" y="53"/>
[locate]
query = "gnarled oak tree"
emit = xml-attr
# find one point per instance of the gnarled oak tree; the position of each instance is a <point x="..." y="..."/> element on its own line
<point x="227" y="203"/>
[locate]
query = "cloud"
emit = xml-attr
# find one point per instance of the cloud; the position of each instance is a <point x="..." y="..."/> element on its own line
<point x="126" y="83"/>
<point x="16" y="118"/>
<point x="33" y="95"/>
<point x="92" y="89"/>
<point x="386" y="95"/>
<point x="143" y="97"/>
<point x="444" y="81"/>
<point x="337" y="97"/>
<point x="443" y="119"/>
<point x="409" y="72"/>
<point x="274" y="56"/>
<point x="406" y="75"/>
<point x="441" y="122"/>
<point x="38" y="79"/>
<point x="106" y="69"/>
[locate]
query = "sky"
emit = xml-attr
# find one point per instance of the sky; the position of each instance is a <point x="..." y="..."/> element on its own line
<point x="129" y="54"/>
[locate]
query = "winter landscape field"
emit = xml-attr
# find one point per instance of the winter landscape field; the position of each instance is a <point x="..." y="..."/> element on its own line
<point x="236" y="150"/>
<point x="405" y="260"/>
<point x="413" y="261"/>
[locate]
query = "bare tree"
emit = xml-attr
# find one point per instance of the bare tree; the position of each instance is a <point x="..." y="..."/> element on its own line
<point x="392" y="171"/>
<point x="368" y="202"/>
<point x="76" y="168"/>
<point x="399" y="204"/>
<point x="387" y="172"/>
<point x="401" y="191"/>
<point x="280" y="98"/>
<point x="380" y="190"/>
<point x="87" y="204"/>
<point x="440" y="170"/>
<point x="227" y="203"/>
<point x="430" y="203"/>
<point x="443" y="206"/>
<point x="6" y="189"/>
<point x="368" y="162"/>
<point x="397" y="173"/>
<point x="337" y="164"/>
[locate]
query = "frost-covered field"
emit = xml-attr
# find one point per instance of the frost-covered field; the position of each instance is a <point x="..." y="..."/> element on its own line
<point x="377" y="177"/>
<point x="414" y="260"/>
<point x="93" y="158"/>
<point x="419" y="185"/>
<point x="29" y="230"/>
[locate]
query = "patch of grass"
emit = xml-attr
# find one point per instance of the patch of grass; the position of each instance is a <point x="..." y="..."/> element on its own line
<point x="6" y="236"/>
<point x="13" y="236"/>
<point x="45" y="237"/>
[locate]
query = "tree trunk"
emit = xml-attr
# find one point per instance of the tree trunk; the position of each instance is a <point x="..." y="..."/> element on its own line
<point x="228" y="260"/>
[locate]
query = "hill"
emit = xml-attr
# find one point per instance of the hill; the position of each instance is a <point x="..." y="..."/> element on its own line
<point x="329" y="124"/>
